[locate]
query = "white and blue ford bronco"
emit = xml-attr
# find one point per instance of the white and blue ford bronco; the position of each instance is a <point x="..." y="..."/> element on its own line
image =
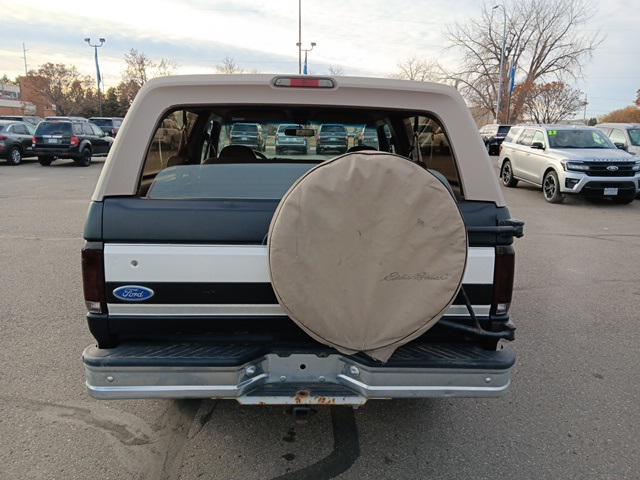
<point x="192" y="286"/>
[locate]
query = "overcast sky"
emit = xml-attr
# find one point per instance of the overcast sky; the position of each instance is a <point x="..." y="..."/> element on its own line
<point x="365" y="37"/>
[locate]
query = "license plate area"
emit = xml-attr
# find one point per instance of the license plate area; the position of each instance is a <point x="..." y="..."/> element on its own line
<point x="53" y="141"/>
<point x="610" y="192"/>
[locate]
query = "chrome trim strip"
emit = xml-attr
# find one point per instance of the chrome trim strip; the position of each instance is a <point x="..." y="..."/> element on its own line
<point x="188" y="310"/>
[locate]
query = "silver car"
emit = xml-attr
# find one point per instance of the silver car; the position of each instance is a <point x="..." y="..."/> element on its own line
<point x="566" y="159"/>
<point x="625" y="136"/>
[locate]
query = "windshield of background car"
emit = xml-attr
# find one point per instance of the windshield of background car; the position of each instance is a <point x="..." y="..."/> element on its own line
<point x="634" y="136"/>
<point x="503" y="130"/>
<point x="53" y="128"/>
<point x="1" y="128"/>
<point x="576" y="138"/>
<point x="193" y="154"/>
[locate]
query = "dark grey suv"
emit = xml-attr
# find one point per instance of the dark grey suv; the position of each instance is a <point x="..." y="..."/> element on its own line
<point x="69" y="139"/>
<point x="15" y="141"/>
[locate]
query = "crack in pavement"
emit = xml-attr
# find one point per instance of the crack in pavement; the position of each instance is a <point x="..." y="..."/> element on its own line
<point x="346" y="450"/>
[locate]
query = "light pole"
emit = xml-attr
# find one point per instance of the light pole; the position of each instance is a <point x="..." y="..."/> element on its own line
<point x="501" y="77"/>
<point x="98" y="78"/>
<point x="299" y="44"/>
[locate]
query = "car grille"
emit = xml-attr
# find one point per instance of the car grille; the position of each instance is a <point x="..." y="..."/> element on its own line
<point x="597" y="188"/>
<point x="599" y="169"/>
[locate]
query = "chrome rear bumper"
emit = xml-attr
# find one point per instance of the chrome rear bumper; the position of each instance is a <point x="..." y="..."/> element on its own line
<point x="301" y="378"/>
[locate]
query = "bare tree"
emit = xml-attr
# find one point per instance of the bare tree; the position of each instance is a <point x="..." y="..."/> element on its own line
<point x="138" y="67"/>
<point x="419" y="69"/>
<point x="165" y="68"/>
<point x="552" y="102"/>
<point x="638" y="98"/>
<point x="336" y="70"/>
<point x="228" y="66"/>
<point x="61" y="85"/>
<point x="545" y="39"/>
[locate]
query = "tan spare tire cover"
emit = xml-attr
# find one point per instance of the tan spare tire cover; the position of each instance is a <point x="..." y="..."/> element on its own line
<point x="366" y="252"/>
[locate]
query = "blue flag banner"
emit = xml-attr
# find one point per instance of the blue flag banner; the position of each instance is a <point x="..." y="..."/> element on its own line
<point x="512" y="85"/>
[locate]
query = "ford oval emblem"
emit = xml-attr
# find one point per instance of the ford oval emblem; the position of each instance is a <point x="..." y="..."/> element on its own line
<point x="133" y="293"/>
<point x="612" y="168"/>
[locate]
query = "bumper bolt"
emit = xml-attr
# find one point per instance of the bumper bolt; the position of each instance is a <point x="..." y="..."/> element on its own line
<point x="109" y="379"/>
<point x="250" y="371"/>
<point x="353" y="370"/>
<point x="487" y="380"/>
<point x="283" y="378"/>
<point x="321" y="379"/>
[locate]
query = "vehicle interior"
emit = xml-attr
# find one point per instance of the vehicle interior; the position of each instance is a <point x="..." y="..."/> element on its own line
<point x="201" y="137"/>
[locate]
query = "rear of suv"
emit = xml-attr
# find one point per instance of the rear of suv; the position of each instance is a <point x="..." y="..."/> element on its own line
<point x="178" y="261"/>
<point x="568" y="160"/>
<point x="248" y="134"/>
<point x="77" y="140"/>
<point x="493" y="135"/>
<point x="332" y="138"/>
<point x="109" y="125"/>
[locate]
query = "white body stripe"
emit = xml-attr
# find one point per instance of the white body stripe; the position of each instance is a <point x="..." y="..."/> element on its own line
<point x="133" y="263"/>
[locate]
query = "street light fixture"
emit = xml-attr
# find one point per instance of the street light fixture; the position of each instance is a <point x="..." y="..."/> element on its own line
<point x="306" y="51"/>
<point x="98" y="78"/>
<point x="501" y="77"/>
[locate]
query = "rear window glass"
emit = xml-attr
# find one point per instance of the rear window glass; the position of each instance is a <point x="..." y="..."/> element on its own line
<point x="332" y="129"/>
<point x="244" y="128"/>
<point x="53" y="128"/>
<point x="193" y="154"/>
<point x="504" y="129"/>
<point x="102" y="122"/>
<point x="1" y="128"/>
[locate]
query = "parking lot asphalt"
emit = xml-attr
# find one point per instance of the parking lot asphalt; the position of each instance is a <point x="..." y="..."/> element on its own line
<point x="572" y="411"/>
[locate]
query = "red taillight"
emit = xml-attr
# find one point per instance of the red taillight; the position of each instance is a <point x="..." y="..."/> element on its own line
<point x="33" y="141"/>
<point x="503" y="273"/>
<point x="75" y="141"/>
<point x="303" y="82"/>
<point x="113" y="132"/>
<point x="2" y="138"/>
<point x="93" y="279"/>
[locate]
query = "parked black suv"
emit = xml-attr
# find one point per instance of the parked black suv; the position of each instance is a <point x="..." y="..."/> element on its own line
<point x="69" y="139"/>
<point x="110" y="125"/>
<point x="332" y="137"/>
<point x="249" y="134"/>
<point x="493" y="136"/>
<point x="15" y="141"/>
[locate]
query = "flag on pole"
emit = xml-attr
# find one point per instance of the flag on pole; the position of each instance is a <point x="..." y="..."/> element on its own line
<point x="512" y="85"/>
<point x="98" y="77"/>
<point x="305" y="66"/>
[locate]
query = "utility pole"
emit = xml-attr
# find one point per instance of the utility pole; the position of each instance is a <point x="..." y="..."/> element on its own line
<point x="98" y="78"/>
<point x="501" y="78"/>
<point x="299" y="37"/>
<point x="24" y="57"/>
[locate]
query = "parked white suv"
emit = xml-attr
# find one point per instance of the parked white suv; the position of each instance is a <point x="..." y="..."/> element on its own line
<point x="566" y="159"/>
<point x="625" y="136"/>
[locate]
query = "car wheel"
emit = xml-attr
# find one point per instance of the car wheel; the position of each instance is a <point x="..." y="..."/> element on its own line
<point x="45" y="161"/>
<point x="318" y="151"/>
<point x="506" y="174"/>
<point x="15" y="156"/>
<point x="623" y="200"/>
<point x="85" y="158"/>
<point x="551" y="188"/>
